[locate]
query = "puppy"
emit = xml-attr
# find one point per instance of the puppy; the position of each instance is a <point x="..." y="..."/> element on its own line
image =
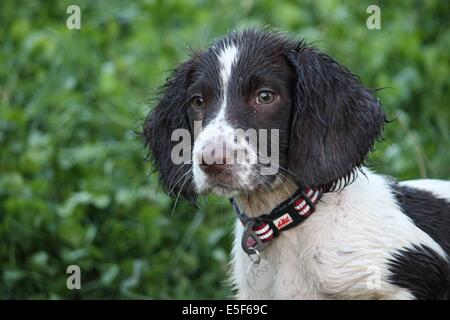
<point x="312" y="221"/>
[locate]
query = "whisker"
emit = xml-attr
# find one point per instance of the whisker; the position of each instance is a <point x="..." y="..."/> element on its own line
<point x="170" y="191"/>
<point x="178" y="196"/>
<point x="175" y="175"/>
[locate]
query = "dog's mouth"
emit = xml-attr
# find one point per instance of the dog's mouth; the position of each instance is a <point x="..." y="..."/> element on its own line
<point x="224" y="190"/>
<point x="224" y="185"/>
<point x="233" y="185"/>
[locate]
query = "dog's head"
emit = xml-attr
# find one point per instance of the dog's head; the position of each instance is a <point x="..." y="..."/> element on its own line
<point x="259" y="108"/>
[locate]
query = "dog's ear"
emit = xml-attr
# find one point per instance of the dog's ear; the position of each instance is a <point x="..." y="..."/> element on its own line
<point x="170" y="114"/>
<point x="335" y="120"/>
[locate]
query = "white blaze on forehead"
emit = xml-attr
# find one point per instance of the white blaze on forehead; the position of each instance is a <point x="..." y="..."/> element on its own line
<point x="227" y="57"/>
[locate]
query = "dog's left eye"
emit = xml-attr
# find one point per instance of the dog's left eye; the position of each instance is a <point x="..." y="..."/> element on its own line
<point x="197" y="102"/>
<point x="265" y="97"/>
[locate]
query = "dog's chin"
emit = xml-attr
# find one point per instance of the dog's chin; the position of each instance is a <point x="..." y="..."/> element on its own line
<point x="221" y="189"/>
<point x="239" y="189"/>
<point x="225" y="191"/>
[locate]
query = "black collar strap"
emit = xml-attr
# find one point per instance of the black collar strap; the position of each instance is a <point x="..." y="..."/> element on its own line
<point x="290" y="213"/>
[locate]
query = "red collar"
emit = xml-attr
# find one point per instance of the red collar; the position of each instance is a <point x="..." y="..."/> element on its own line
<point x="290" y="213"/>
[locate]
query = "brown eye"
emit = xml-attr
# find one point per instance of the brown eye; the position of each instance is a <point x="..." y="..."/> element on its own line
<point x="265" y="97"/>
<point x="197" y="102"/>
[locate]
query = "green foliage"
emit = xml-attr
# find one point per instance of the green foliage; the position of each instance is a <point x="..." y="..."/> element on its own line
<point x="74" y="187"/>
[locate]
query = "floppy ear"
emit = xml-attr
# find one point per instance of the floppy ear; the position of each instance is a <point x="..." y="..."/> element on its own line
<point x="170" y="114"/>
<point x="335" y="120"/>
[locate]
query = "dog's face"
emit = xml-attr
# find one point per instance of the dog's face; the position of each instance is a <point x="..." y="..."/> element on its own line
<point x="241" y="93"/>
<point x="261" y="108"/>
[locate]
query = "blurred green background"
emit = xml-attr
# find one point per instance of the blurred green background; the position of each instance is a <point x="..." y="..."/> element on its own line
<point x="74" y="186"/>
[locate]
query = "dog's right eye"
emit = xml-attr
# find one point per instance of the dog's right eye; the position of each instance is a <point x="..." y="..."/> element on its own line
<point x="265" y="97"/>
<point x="197" y="102"/>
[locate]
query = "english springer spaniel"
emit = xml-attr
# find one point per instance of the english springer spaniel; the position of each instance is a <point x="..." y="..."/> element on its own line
<point x="313" y="222"/>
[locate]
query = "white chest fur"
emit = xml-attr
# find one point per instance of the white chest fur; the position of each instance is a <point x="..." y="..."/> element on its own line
<point x="341" y="251"/>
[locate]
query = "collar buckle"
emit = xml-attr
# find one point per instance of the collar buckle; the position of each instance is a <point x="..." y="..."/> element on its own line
<point x="250" y="240"/>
